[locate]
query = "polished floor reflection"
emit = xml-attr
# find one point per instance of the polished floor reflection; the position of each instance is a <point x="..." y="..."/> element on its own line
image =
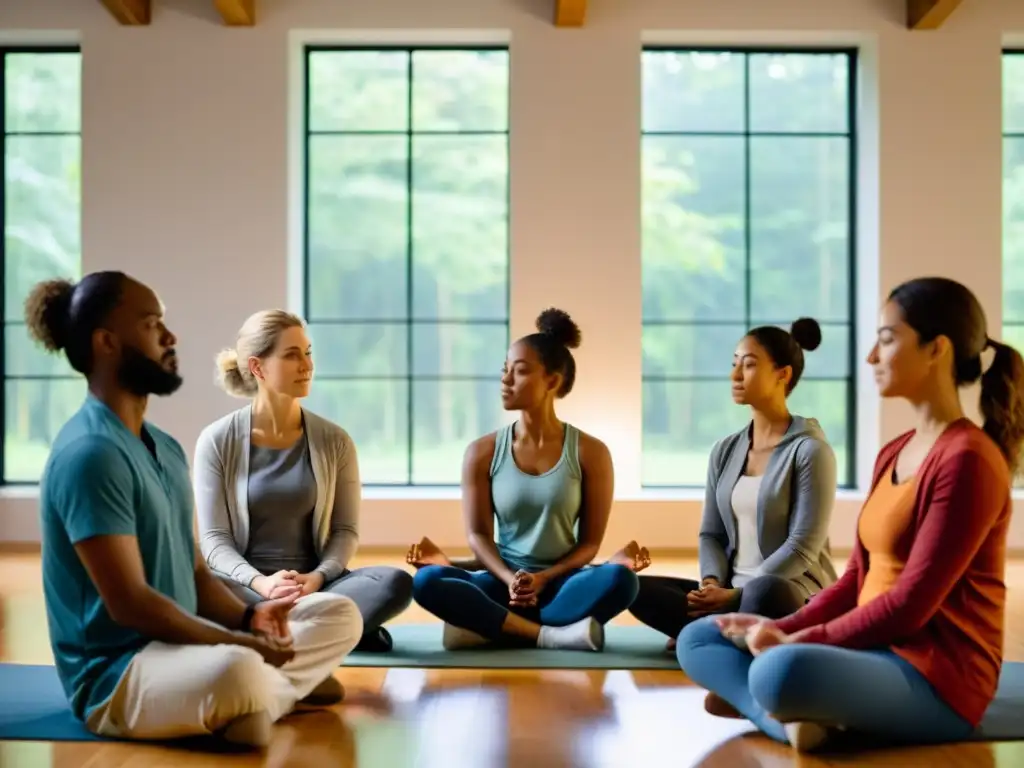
<point x="410" y="718"/>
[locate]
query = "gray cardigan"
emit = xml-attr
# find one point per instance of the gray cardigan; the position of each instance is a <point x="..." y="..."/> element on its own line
<point x="222" y="491"/>
<point x="794" y="507"/>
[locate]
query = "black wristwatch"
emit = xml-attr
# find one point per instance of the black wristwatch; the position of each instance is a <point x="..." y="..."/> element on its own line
<point x="247" y="617"/>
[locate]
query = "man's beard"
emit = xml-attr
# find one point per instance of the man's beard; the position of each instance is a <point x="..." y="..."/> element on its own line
<point x="143" y="376"/>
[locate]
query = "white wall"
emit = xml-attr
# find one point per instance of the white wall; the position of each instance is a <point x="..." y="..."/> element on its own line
<point x="171" y="184"/>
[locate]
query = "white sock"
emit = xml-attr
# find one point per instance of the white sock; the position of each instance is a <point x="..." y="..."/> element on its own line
<point x="806" y="737"/>
<point x="453" y="638"/>
<point x="252" y="730"/>
<point x="585" y="635"/>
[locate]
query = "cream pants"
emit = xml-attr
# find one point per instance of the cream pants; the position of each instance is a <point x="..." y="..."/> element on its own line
<point x="173" y="691"/>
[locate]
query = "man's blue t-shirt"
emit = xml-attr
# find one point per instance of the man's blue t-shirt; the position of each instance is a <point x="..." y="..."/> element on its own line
<point x="102" y="480"/>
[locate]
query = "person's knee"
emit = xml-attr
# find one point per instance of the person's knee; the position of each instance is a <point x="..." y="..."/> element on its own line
<point x="771" y="596"/>
<point x="426" y="583"/>
<point x="623" y="584"/>
<point x="238" y="683"/>
<point x="398" y="586"/>
<point x="782" y="677"/>
<point x="696" y="635"/>
<point x="327" y="608"/>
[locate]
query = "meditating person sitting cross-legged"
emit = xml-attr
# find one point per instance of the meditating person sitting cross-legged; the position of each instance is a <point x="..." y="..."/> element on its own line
<point x="908" y="644"/>
<point x="148" y="643"/>
<point x="277" y="486"/>
<point x="547" y="487"/>
<point x="770" y="491"/>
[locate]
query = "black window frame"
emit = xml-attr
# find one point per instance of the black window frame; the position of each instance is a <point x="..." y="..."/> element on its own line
<point x="847" y="475"/>
<point x="410" y="321"/>
<point x="6" y="50"/>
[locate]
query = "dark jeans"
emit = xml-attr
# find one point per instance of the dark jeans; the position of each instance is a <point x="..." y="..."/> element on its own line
<point x="478" y="600"/>
<point x="661" y="601"/>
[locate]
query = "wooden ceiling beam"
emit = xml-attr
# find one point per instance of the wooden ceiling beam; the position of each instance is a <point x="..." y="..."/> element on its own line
<point x="135" y="13"/>
<point x="237" y="13"/>
<point x="570" y="13"/>
<point x="929" y="14"/>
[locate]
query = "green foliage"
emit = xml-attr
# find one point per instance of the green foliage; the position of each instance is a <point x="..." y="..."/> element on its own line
<point x="408" y="227"/>
<point x="42" y="240"/>
<point x="746" y="221"/>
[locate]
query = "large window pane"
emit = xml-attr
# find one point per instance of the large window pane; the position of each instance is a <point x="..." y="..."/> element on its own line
<point x="358" y="227"/>
<point x="1013" y="229"/>
<point x="460" y="227"/>
<point x="746" y="221"/>
<point x="693" y="91"/>
<point x="358" y="91"/>
<point x="360" y="350"/>
<point x="693" y="228"/>
<point x="460" y="91"/>
<point x="42" y="199"/>
<point x="688" y="350"/>
<point x="793" y="93"/>
<point x="460" y="350"/>
<point x="41" y="223"/>
<point x="1013" y="201"/>
<point x="682" y="421"/>
<point x="34" y="411"/>
<point x="375" y="413"/>
<point x="43" y="92"/>
<point x="800" y="227"/>
<point x="448" y="415"/>
<point x="1013" y="92"/>
<point x="407" y="252"/>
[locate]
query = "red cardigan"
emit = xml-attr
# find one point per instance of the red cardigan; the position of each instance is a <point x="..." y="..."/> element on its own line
<point x="945" y="613"/>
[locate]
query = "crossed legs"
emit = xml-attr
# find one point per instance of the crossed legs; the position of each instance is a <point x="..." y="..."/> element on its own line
<point x="174" y="691"/>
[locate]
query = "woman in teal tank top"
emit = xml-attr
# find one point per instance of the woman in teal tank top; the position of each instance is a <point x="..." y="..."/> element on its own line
<point x="537" y="495"/>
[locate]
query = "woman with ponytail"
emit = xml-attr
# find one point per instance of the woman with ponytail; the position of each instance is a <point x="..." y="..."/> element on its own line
<point x="546" y="487"/>
<point x="907" y="645"/>
<point x="771" y="486"/>
<point x="277" y="486"/>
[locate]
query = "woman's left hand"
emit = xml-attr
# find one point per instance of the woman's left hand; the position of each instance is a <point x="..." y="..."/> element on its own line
<point x="711" y="599"/>
<point x="309" y="582"/>
<point x="526" y="587"/>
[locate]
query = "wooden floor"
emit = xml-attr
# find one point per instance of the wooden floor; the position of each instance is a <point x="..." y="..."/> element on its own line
<point x="482" y="719"/>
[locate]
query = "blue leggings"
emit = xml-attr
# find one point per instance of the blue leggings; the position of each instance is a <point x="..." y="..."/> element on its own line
<point x="872" y="692"/>
<point x="478" y="600"/>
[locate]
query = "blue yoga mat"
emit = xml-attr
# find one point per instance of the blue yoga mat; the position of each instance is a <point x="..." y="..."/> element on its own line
<point x="33" y="707"/>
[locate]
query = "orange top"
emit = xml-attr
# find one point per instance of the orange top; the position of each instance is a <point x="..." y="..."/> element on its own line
<point x="883" y="527"/>
<point x="945" y="611"/>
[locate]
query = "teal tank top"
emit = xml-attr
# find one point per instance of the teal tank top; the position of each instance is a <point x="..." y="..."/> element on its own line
<point x="536" y="516"/>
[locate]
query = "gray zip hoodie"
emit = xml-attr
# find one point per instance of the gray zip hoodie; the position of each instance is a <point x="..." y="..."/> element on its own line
<point x="794" y="507"/>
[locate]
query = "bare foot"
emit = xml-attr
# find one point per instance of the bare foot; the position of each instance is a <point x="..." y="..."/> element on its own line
<point x="426" y="553"/>
<point x="633" y="556"/>
<point x="719" y="707"/>
<point x="671" y="644"/>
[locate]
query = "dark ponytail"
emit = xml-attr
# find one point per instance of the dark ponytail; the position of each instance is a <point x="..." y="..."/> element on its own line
<point x="938" y="306"/>
<point x="1002" y="401"/>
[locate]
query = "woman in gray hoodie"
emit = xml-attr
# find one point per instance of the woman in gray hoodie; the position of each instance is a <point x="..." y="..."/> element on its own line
<point x="770" y="490"/>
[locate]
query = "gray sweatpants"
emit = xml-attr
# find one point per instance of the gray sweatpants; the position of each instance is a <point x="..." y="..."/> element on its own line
<point x="380" y="592"/>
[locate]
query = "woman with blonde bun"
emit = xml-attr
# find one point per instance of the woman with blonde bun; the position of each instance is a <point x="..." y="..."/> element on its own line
<point x="277" y="486"/>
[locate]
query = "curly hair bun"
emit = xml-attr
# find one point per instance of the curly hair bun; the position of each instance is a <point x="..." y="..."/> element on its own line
<point x="48" y="313"/>
<point x="806" y="333"/>
<point x="558" y="325"/>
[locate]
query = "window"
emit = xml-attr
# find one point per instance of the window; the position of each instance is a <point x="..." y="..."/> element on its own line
<point x="1013" y="198"/>
<point x="406" y="251"/>
<point x="40" y="215"/>
<point x="748" y="219"/>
